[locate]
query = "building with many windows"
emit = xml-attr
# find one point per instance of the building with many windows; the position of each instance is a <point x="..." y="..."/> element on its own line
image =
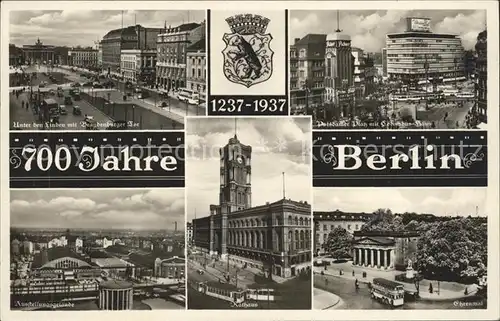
<point x="307" y="71"/>
<point x="83" y="57"/>
<point x="196" y="69"/>
<point x="482" y="76"/>
<point x="274" y="237"/>
<point x="132" y="37"/>
<point x="189" y="233"/>
<point x="138" y="66"/>
<point x="339" y="74"/>
<point x="325" y="222"/>
<point x="15" y="55"/>
<point x="172" y="45"/>
<point x="384" y="62"/>
<point x="418" y="55"/>
<point x="99" y="54"/>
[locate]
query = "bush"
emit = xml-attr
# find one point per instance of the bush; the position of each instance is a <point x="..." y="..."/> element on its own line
<point x="400" y="267"/>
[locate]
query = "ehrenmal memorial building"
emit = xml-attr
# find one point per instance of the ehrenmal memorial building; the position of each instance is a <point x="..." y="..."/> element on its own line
<point x="273" y="237"/>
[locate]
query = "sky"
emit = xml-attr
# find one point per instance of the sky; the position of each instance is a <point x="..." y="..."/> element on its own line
<point x="84" y="27"/>
<point x="454" y="201"/>
<point x="368" y="28"/>
<point x="153" y="209"/>
<point x="278" y="145"/>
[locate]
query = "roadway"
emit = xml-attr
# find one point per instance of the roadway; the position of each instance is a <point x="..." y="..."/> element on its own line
<point x="175" y="106"/>
<point x="141" y="115"/>
<point x="361" y="299"/>
<point x="26" y="119"/>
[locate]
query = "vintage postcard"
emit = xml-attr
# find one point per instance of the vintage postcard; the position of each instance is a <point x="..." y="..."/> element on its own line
<point x="250" y="160"/>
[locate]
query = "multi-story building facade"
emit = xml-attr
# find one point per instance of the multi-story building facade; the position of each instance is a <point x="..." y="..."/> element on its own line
<point x="359" y="72"/>
<point x="339" y="74"/>
<point x="189" y="233"/>
<point x="133" y="37"/>
<point x="469" y="64"/>
<point x="275" y="236"/>
<point x="99" y="54"/>
<point x="420" y="55"/>
<point x="138" y="66"/>
<point x="15" y="55"/>
<point x="172" y="46"/>
<point x="384" y="62"/>
<point x="83" y="57"/>
<point x="482" y="76"/>
<point x="196" y="69"/>
<point x="325" y="222"/>
<point x="307" y="71"/>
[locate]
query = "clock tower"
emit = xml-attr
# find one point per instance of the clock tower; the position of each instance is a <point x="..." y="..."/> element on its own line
<point x="235" y="177"/>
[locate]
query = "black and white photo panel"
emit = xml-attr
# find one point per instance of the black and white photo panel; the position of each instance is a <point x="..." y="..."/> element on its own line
<point x="389" y="69"/>
<point x="409" y="248"/>
<point x="249" y="212"/>
<point x="130" y="70"/>
<point x="95" y="249"/>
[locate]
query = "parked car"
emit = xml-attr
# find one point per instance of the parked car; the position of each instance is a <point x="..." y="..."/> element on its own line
<point x="77" y="111"/>
<point x="68" y="100"/>
<point x="87" y="84"/>
<point x="193" y="101"/>
<point x="62" y="110"/>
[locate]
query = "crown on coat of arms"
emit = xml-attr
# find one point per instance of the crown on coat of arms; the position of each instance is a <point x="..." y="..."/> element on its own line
<point x="248" y="24"/>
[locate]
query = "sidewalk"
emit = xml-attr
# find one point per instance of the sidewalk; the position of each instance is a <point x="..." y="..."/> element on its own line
<point x="447" y="290"/>
<point x="324" y="300"/>
<point x="117" y="96"/>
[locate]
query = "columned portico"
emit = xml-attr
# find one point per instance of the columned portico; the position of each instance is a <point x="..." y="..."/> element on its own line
<point x="374" y="252"/>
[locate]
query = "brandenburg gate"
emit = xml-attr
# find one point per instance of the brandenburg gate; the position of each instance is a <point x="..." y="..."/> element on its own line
<point x="39" y="53"/>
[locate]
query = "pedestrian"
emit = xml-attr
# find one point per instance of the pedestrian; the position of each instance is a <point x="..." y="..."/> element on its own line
<point x="22" y="104"/>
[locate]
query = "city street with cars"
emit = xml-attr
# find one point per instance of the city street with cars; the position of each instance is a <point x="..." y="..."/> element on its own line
<point x="57" y="82"/>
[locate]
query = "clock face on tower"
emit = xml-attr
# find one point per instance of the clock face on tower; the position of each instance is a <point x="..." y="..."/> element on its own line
<point x="239" y="159"/>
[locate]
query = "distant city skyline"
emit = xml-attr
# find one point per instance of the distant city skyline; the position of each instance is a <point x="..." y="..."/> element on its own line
<point x="456" y="201"/>
<point x="368" y="28"/>
<point x="140" y="209"/>
<point x="64" y="27"/>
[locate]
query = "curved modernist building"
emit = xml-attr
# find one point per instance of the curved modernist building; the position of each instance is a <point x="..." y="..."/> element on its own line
<point x="116" y="295"/>
<point x="419" y="55"/>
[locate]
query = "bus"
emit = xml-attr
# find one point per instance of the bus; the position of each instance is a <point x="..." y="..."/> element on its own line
<point x="188" y="96"/>
<point x="388" y="292"/>
<point x="51" y="105"/>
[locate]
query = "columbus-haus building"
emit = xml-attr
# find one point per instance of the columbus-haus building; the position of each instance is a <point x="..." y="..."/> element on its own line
<point x="275" y="237"/>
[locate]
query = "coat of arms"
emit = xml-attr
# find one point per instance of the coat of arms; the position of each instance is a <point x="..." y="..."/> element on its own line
<point x="248" y="58"/>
